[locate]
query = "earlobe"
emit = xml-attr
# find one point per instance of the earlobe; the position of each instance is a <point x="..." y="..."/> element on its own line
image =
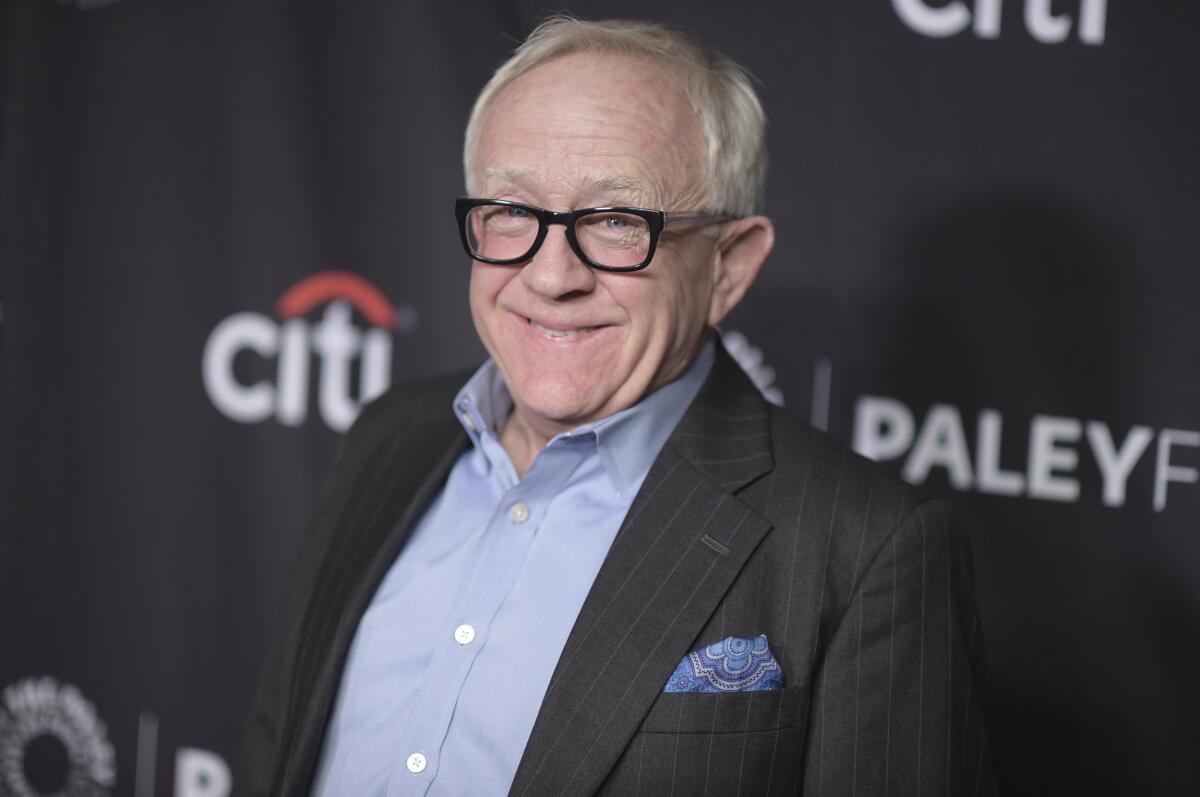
<point x="741" y="251"/>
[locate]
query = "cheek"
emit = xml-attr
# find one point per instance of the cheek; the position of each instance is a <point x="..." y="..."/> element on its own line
<point x="693" y="291"/>
<point x="643" y="300"/>
<point x="487" y="283"/>
<point x="673" y="305"/>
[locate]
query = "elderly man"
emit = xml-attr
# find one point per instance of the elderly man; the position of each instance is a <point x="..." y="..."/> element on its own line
<point x="605" y="563"/>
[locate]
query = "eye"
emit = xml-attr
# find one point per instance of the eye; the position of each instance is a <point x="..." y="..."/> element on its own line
<point x="516" y="213"/>
<point x="615" y="222"/>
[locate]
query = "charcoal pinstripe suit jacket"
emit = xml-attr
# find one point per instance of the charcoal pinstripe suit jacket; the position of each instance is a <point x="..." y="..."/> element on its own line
<point x="749" y="522"/>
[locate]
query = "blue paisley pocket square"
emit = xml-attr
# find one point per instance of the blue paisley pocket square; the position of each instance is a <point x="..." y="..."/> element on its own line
<point x="731" y="665"/>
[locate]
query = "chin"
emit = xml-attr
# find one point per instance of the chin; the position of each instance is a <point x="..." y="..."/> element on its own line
<point x="560" y="399"/>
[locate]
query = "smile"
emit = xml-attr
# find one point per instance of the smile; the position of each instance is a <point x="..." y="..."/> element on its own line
<point x="559" y="333"/>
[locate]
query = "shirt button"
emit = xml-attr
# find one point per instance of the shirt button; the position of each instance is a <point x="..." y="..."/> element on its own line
<point x="468" y="421"/>
<point x="518" y="512"/>
<point x="416" y="763"/>
<point x="464" y="634"/>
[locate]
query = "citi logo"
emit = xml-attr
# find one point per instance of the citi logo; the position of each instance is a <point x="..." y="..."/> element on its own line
<point x="950" y="19"/>
<point x="290" y="343"/>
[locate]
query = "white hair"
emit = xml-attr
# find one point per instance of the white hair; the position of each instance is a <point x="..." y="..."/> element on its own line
<point x="720" y="91"/>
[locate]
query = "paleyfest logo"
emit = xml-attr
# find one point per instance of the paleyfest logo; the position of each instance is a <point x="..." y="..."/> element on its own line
<point x="52" y="742"/>
<point x="970" y="453"/>
<point x="289" y="343"/>
<point x="887" y="429"/>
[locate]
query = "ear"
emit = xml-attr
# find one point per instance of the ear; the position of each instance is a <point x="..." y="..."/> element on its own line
<point x="743" y="246"/>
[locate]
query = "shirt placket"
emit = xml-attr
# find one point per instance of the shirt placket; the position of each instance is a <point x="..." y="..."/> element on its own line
<point x="498" y="560"/>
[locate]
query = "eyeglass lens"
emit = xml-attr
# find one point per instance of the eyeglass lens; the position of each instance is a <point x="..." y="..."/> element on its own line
<point x="501" y="232"/>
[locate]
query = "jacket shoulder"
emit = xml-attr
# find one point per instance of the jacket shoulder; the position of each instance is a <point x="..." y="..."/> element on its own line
<point x="835" y="507"/>
<point x="412" y="416"/>
<point x="829" y="465"/>
<point x="412" y="403"/>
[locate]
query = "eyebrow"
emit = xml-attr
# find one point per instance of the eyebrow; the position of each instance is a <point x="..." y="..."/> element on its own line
<point x="603" y="184"/>
<point x="618" y="184"/>
<point x="501" y="173"/>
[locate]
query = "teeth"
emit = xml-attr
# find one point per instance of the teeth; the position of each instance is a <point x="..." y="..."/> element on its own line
<point x="558" y="333"/>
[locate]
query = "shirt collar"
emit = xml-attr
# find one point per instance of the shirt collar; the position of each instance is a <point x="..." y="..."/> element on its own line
<point x="627" y="441"/>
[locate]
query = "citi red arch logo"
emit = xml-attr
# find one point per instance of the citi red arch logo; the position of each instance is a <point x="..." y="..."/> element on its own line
<point x="327" y="286"/>
<point x="292" y="343"/>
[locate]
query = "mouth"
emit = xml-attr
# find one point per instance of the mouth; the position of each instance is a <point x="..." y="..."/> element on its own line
<point x="559" y="334"/>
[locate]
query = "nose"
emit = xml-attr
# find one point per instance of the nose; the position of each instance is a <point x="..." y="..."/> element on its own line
<point x="555" y="271"/>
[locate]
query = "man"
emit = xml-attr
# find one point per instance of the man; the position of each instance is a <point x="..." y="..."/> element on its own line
<point x="605" y="563"/>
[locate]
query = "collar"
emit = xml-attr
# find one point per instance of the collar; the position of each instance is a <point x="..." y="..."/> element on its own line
<point x="627" y="442"/>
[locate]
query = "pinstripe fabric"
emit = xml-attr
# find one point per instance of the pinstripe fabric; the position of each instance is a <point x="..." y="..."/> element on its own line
<point x="749" y="522"/>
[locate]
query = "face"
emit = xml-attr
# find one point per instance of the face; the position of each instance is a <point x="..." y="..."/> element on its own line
<point x="575" y="344"/>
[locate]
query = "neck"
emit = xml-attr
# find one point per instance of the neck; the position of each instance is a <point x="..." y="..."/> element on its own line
<point x="523" y="440"/>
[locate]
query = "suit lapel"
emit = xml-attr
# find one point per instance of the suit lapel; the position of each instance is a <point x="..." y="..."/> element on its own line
<point x="378" y="511"/>
<point x="684" y="541"/>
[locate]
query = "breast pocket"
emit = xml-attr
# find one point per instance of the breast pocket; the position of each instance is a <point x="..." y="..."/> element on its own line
<point x="725" y="712"/>
<point x="716" y="743"/>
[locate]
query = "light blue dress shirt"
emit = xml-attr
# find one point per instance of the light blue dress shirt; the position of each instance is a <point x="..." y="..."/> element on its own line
<point x="452" y="658"/>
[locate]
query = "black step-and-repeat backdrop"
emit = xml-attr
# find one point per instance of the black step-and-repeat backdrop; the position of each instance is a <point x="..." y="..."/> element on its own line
<point x="226" y="224"/>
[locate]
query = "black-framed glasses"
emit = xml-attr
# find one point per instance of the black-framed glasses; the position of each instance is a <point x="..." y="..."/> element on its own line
<point x="506" y="233"/>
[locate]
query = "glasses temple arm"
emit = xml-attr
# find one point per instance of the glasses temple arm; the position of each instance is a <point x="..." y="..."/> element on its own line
<point x="692" y="217"/>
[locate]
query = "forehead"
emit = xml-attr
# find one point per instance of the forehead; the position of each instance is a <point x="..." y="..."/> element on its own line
<point x="604" y="122"/>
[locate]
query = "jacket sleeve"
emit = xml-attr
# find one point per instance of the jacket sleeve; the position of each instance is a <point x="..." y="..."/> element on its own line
<point x="260" y="754"/>
<point x="257" y="754"/>
<point x="895" y="699"/>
